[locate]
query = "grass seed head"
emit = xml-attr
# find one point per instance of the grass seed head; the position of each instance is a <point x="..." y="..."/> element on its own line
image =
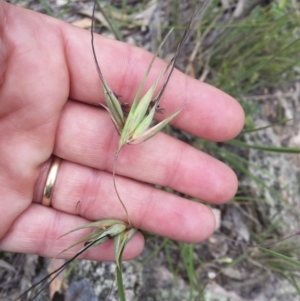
<point x="105" y="230"/>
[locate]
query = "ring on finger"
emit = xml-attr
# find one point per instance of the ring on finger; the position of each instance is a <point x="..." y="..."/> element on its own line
<point x="50" y="181"/>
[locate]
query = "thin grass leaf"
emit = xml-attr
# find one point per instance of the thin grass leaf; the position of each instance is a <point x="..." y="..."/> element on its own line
<point x="266" y="127"/>
<point x="281" y="257"/>
<point x="293" y="281"/>
<point x="113" y="25"/>
<point x="287" y="150"/>
<point x="120" y="284"/>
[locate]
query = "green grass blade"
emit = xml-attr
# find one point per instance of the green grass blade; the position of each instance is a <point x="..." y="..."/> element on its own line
<point x="282" y="257"/>
<point x="112" y="25"/>
<point x="266" y="127"/>
<point x="293" y="281"/>
<point x="120" y="284"/>
<point x="287" y="150"/>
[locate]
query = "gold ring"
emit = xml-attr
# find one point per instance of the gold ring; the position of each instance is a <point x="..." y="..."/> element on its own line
<point x="50" y="182"/>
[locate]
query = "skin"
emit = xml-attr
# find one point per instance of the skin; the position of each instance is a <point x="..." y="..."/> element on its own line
<point x="47" y="82"/>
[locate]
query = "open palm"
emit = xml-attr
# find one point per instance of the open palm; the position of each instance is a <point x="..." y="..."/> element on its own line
<point x="48" y="82"/>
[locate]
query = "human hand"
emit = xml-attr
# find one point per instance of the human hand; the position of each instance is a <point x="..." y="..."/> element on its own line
<point x="48" y="80"/>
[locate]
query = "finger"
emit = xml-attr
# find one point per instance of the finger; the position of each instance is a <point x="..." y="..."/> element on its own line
<point x="210" y="113"/>
<point x="86" y="136"/>
<point x="37" y="230"/>
<point x="91" y="194"/>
